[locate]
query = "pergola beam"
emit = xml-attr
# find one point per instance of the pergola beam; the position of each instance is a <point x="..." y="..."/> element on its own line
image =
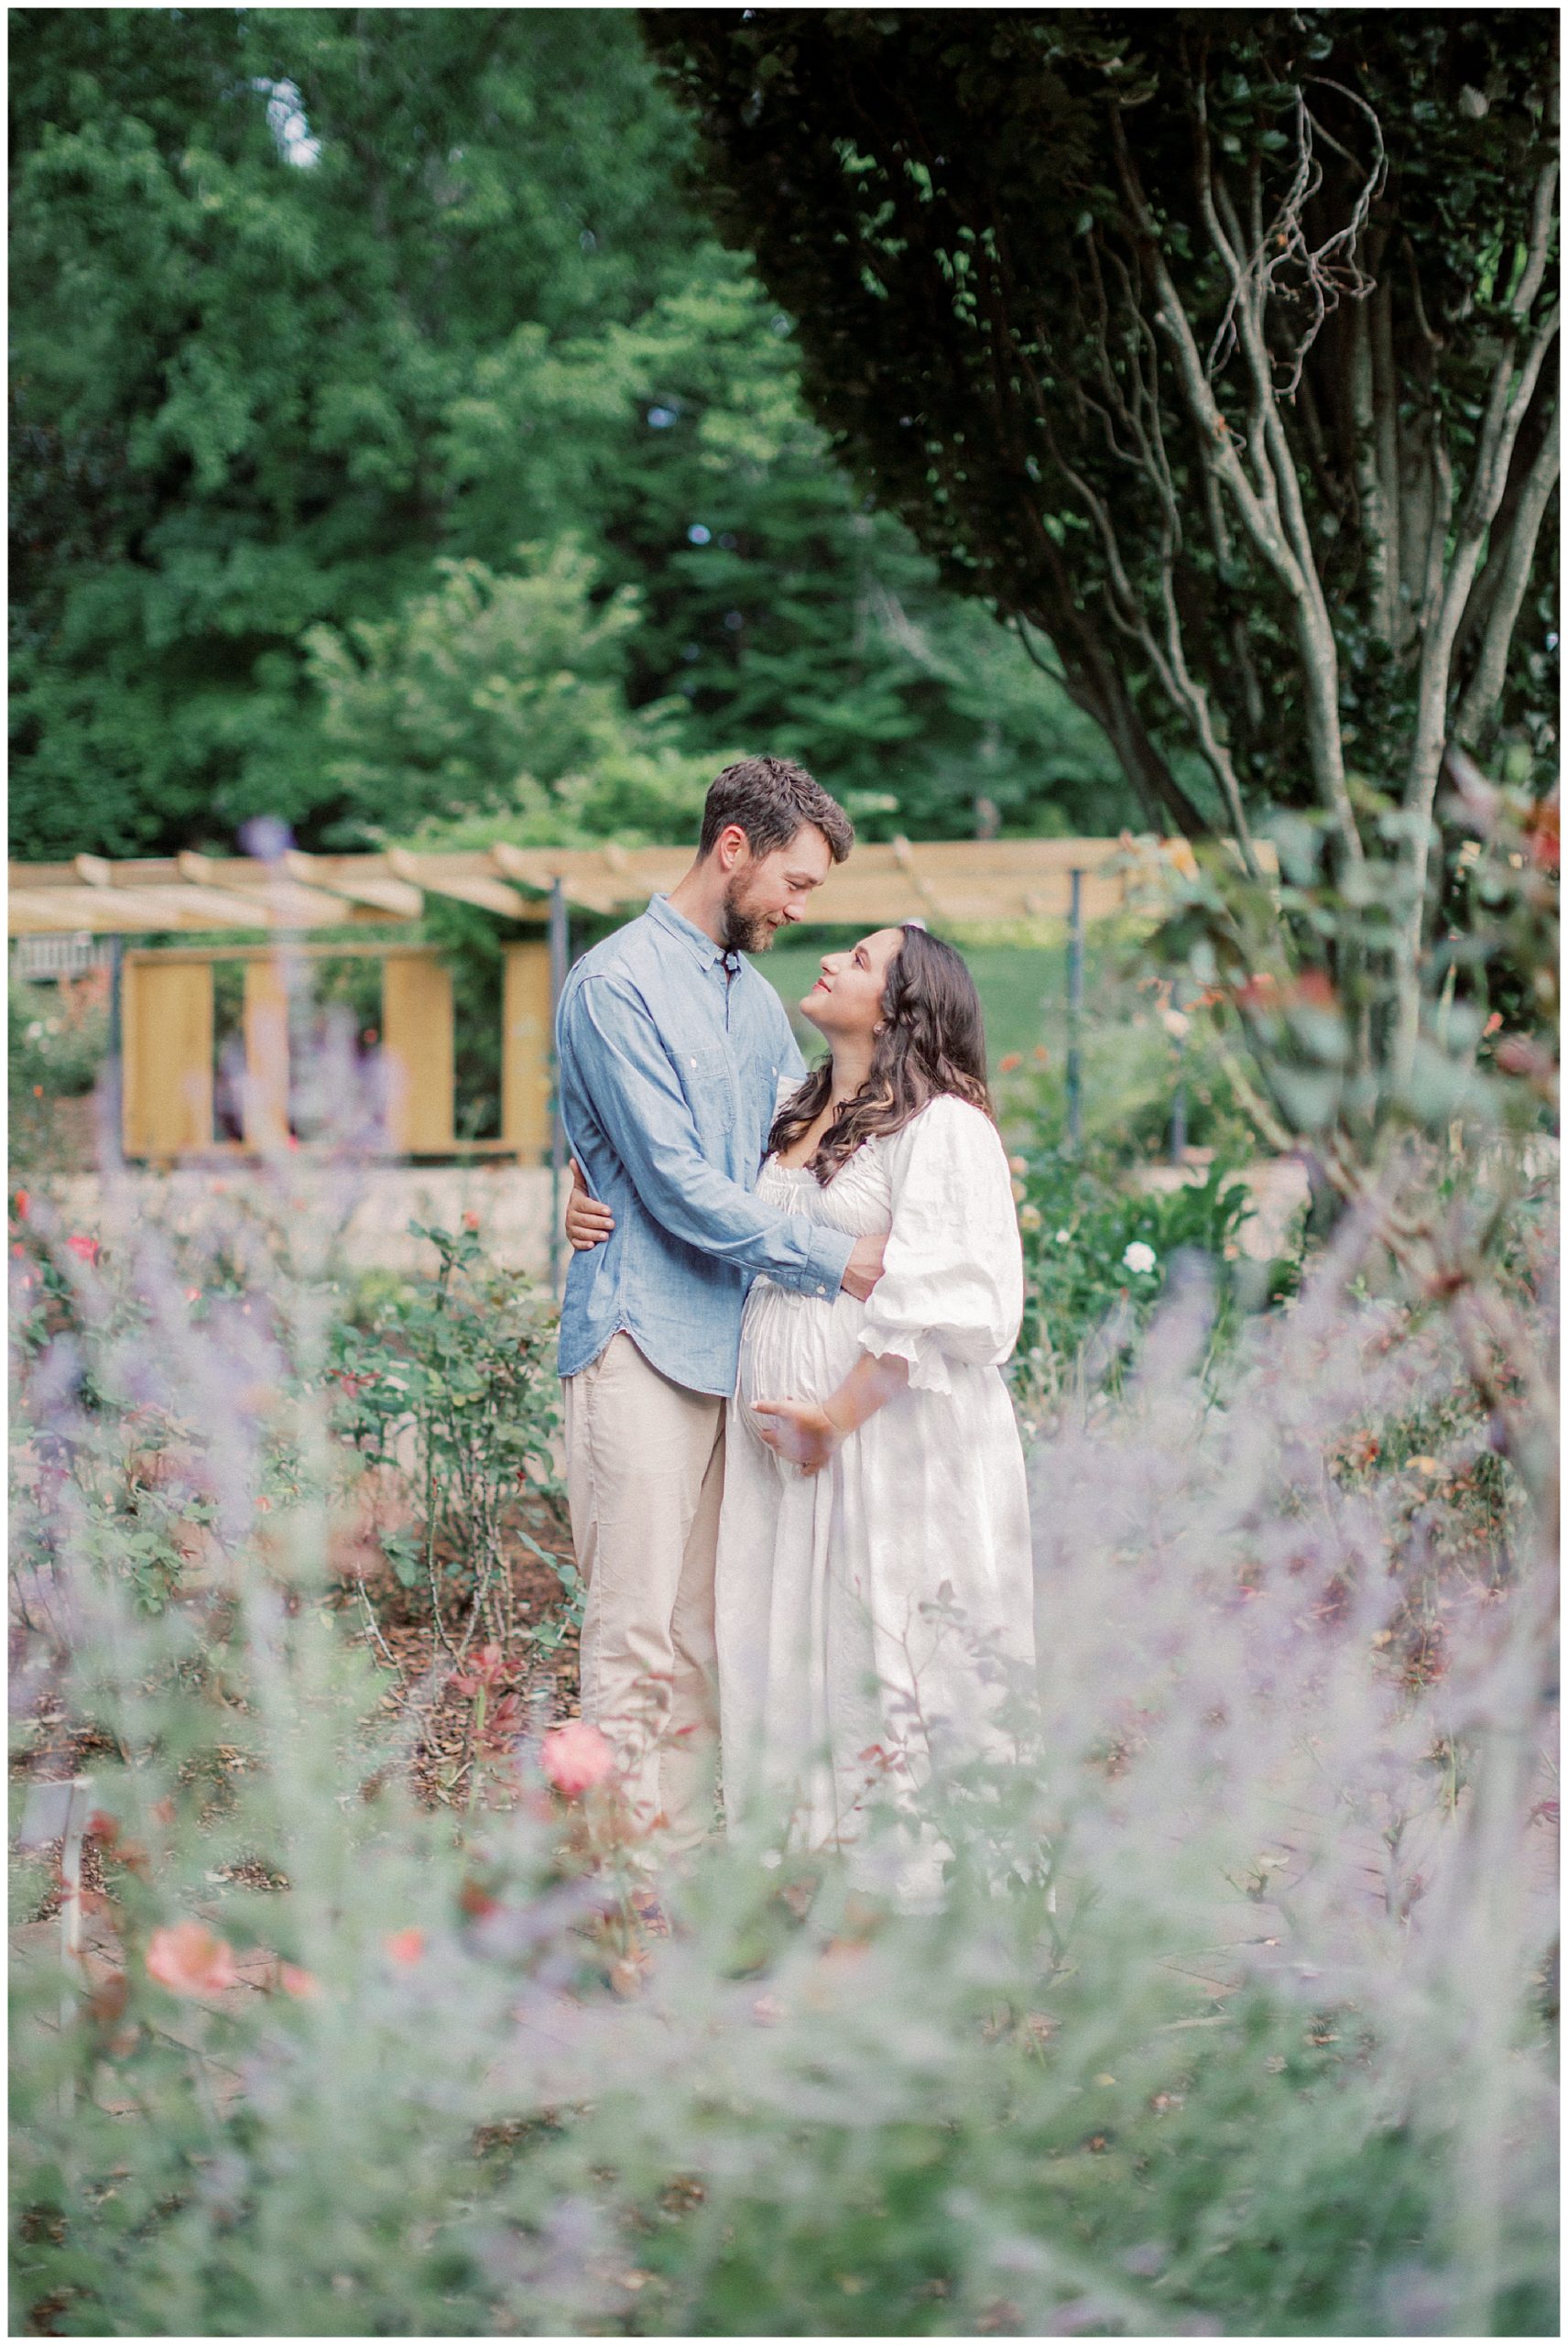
<point x="362" y="880"/>
<point x="46" y="911"/>
<point x="260" y="895"/>
<point x="469" y="879"/>
<point x="886" y="881"/>
<point x="186" y="893"/>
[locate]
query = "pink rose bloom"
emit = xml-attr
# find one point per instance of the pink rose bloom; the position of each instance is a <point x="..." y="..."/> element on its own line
<point x="190" y="1959"/>
<point x="85" y="1249"/>
<point x="405" y="1947"/>
<point x="304" y="1986"/>
<point x="576" y="1757"/>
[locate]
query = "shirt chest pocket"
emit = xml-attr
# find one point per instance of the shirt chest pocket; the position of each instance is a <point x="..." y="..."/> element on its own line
<point x="708" y="1079"/>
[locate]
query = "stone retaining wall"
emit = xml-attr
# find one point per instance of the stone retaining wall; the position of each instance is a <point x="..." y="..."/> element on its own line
<point x="370" y="1205"/>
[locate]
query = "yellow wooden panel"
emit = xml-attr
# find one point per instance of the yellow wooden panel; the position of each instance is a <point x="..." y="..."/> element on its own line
<point x="416" y="1033"/>
<point x="266" y="1055"/>
<point x="167" y="1024"/>
<point x="527" y="1069"/>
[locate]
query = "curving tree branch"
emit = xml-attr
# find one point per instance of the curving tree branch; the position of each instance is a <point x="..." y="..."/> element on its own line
<point x="1512" y="571"/>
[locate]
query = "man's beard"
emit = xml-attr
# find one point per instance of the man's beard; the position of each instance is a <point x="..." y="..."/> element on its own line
<point x="745" y="930"/>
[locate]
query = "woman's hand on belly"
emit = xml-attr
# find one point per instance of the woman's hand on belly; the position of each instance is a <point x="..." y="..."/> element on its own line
<point x="806" y="1432"/>
<point x="800" y="1431"/>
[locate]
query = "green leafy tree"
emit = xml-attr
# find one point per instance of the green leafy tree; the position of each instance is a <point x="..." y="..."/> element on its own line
<point x="785" y="605"/>
<point x="258" y="260"/>
<point x="1217" y="350"/>
<point x="307" y="304"/>
<point x="499" y="694"/>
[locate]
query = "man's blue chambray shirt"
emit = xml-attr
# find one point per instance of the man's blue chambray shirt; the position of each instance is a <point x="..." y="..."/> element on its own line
<point x="670" y="1058"/>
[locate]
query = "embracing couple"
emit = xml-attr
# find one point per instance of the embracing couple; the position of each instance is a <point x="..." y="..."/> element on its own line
<point x="797" y="1489"/>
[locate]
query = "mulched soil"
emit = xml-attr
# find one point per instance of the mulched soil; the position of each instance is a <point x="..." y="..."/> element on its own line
<point x="441" y="1717"/>
<point x="437" y="1752"/>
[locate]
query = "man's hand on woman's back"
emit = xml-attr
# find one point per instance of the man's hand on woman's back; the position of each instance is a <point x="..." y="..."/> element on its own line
<point x="588" y="1223"/>
<point x="863" y="1267"/>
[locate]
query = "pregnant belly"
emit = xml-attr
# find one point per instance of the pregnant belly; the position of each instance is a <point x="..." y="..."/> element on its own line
<point x="796" y="1347"/>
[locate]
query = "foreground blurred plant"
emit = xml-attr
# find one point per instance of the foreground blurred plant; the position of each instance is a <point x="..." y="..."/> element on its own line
<point x="1235" y="2019"/>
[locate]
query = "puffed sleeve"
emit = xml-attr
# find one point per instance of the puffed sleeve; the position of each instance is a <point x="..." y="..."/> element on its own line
<point x="952" y="1288"/>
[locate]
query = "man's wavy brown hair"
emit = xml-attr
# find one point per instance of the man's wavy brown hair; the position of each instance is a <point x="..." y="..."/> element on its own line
<point x="932" y="1041"/>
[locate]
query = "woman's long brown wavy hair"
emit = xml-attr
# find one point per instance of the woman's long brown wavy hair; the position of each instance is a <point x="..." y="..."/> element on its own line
<point x="932" y="1041"/>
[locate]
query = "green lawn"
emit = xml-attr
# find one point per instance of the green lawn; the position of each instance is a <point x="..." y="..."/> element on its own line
<point x="1023" y="990"/>
<point x="1130" y="1065"/>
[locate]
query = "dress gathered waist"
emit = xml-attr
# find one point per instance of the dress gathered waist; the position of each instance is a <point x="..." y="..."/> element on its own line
<point x="798" y="1346"/>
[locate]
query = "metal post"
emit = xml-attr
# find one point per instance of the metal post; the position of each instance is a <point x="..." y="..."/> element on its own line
<point x="117" y="1005"/>
<point x="1179" y="1096"/>
<point x="1075" y="1015"/>
<point x="60" y="1811"/>
<point x="111" y="1111"/>
<point x="559" y="955"/>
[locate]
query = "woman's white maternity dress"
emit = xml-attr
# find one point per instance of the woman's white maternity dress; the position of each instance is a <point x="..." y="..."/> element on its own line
<point x="855" y="1608"/>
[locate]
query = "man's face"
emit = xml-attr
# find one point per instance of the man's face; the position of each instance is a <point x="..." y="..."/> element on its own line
<point x="764" y="893"/>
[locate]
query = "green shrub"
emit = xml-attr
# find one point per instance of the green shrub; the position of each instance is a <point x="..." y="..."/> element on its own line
<point x="1100" y="1252"/>
<point x="57" y="1040"/>
<point x="451" y="1379"/>
<point x="56" y="1037"/>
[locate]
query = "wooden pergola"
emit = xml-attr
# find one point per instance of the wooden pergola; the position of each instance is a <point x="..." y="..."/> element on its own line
<point x="165" y="992"/>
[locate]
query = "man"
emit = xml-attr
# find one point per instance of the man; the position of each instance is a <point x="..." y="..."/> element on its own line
<point x="672" y="1050"/>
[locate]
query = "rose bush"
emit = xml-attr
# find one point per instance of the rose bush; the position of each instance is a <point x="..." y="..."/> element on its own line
<point x="1099" y="1251"/>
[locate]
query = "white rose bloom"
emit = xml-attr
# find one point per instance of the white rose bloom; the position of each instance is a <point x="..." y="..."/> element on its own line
<point x="1064" y="1236"/>
<point x="1139" y="1256"/>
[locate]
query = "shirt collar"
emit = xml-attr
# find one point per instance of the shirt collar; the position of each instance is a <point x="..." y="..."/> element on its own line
<point x="696" y="940"/>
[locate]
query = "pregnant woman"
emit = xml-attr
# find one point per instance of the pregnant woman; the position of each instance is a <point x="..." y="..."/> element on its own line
<point x="874" y="1543"/>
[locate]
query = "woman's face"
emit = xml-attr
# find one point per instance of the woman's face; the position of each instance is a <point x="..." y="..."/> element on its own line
<point x="845" y="1003"/>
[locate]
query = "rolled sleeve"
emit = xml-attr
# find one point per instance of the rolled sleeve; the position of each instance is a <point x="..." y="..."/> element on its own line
<point x="637" y="1098"/>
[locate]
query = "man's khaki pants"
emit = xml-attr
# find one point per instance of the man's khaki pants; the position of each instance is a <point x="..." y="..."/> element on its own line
<point x="644" y="1474"/>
